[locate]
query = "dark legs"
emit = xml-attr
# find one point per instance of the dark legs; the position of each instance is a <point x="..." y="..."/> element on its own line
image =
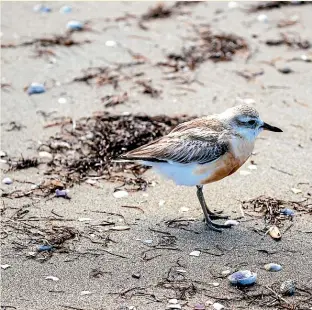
<point x="209" y="215"/>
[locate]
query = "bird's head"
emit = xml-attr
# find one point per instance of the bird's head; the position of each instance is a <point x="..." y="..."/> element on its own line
<point x="245" y="120"/>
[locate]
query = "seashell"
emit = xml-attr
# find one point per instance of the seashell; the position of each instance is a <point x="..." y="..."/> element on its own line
<point x="7" y="181"/>
<point x="120" y="228"/>
<point x="36" y="88"/>
<point x="65" y="9"/>
<point x="288" y="288"/>
<point x="217" y="306"/>
<point x="120" y="194"/>
<point x="62" y="193"/>
<point x="199" y="307"/>
<point x="231" y="222"/>
<point x="74" y="25"/>
<point x="173" y="301"/>
<point x="273" y="267"/>
<point x="288" y="212"/>
<point x="275" y="233"/>
<point x="195" y="253"/>
<point x="262" y="18"/>
<point x="243" y="278"/>
<point x="52" y="278"/>
<point x="5" y="266"/>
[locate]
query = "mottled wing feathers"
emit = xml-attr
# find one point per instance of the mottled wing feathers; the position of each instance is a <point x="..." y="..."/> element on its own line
<point x="187" y="143"/>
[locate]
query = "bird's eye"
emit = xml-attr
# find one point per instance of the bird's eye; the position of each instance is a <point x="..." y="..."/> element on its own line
<point x="252" y="122"/>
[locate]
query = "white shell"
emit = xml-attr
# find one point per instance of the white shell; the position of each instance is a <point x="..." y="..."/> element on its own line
<point x="120" y="194"/>
<point x="231" y="222"/>
<point x="52" y="278"/>
<point x="195" y="253"/>
<point x="5" y="266"/>
<point x="217" y="306"/>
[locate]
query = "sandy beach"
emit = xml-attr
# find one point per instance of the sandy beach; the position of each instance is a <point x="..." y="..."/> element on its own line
<point x="133" y="252"/>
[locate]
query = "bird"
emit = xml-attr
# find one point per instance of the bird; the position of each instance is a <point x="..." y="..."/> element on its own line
<point x="204" y="150"/>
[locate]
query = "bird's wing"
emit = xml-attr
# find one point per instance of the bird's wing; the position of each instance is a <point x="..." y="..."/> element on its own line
<point x="188" y="145"/>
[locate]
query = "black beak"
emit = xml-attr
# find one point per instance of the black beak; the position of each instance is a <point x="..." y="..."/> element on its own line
<point x="266" y="126"/>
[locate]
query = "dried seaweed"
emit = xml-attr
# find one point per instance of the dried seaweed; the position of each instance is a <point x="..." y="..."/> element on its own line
<point x="271" y="208"/>
<point x="205" y="46"/>
<point x="157" y="11"/>
<point x="58" y="235"/>
<point x="149" y="89"/>
<point x="87" y="151"/>
<point x="269" y="5"/>
<point x="113" y="100"/>
<point x="290" y="40"/>
<point x="60" y="40"/>
<point x="22" y="163"/>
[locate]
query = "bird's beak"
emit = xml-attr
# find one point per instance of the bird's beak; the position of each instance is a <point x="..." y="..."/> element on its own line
<point x="266" y="126"/>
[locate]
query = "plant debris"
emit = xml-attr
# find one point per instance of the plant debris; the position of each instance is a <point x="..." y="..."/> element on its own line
<point x="112" y="100"/>
<point x="149" y="89"/>
<point x="87" y="151"/>
<point x="272" y="208"/>
<point x="60" y="40"/>
<point x="268" y="5"/>
<point x="22" y="163"/>
<point x="205" y="46"/>
<point x="157" y="11"/>
<point x="291" y="40"/>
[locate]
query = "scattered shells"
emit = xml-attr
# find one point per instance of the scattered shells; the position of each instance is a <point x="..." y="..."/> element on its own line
<point x="231" y="222"/>
<point x="296" y="190"/>
<point x="288" y="288"/>
<point x="287" y="212"/>
<point x="195" y="253"/>
<point x="52" y="278"/>
<point x="36" y="88"/>
<point x="243" y="278"/>
<point x="272" y="267"/>
<point x="7" y="181"/>
<point x="120" y="228"/>
<point x="5" y="266"/>
<point x="120" y="194"/>
<point x="74" y="25"/>
<point x="244" y="172"/>
<point x="217" y="306"/>
<point x="275" y="233"/>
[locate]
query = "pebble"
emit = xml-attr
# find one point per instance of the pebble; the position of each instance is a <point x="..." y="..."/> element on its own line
<point x="121" y="227"/>
<point x="110" y="43"/>
<point x="2" y="154"/>
<point x="120" y="194"/>
<point x="273" y="267"/>
<point x="288" y="288"/>
<point x="173" y="301"/>
<point x="36" y="88"/>
<point x="65" y="9"/>
<point x="226" y="272"/>
<point x="74" y="25"/>
<point x="199" y="307"/>
<point x="52" y="278"/>
<point x="243" y="278"/>
<point x="174" y="306"/>
<point x="61" y="193"/>
<point x="244" y="172"/>
<point x="7" y="181"/>
<point x="287" y="212"/>
<point x="217" y="306"/>
<point x="195" y="253"/>
<point x="262" y="18"/>
<point x="252" y="167"/>
<point x="5" y="266"/>
<point x="285" y="70"/>
<point x="231" y="222"/>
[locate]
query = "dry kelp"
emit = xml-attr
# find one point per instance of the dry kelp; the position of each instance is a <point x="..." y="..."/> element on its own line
<point x="291" y="40"/>
<point x="87" y="150"/>
<point x="268" y="5"/>
<point x="205" y="46"/>
<point x="272" y="208"/>
<point x="22" y="163"/>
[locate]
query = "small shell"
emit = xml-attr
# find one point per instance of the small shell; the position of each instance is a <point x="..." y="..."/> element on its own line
<point x="83" y="293"/>
<point x="231" y="222"/>
<point x="173" y="301"/>
<point x="262" y="18"/>
<point x="5" y="266"/>
<point x="65" y="9"/>
<point x="62" y="193"/>
<point x="217" y="306"/>
<point x="120" y="228"/>
<point x="296" y="190"/>
<point x="288" y="288"/>
<point x="7" y="181"/>
<point x="43" y="248"/>
<point x="120" y="194"/>
<point x="195" y="253"/>
<point x="288" y="212"/>
<point x="243" y="278"/>
<point x="36" y="88"/>
<point x="52" y="278"/>
<point x="199" y="307"/>
<point x="272" y="267"/>
<point x="74" y="25"/>
<point x="275" y="233"/>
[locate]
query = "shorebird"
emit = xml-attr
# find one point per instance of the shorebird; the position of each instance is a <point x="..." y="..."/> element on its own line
<point x="204" y="150"/>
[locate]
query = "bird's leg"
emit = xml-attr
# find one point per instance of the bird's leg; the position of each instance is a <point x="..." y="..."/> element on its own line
<point x="212" y="215"/>
<point x="209" y="223"/>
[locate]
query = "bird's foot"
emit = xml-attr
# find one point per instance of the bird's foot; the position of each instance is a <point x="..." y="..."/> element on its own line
<point x="215" y="226"/>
